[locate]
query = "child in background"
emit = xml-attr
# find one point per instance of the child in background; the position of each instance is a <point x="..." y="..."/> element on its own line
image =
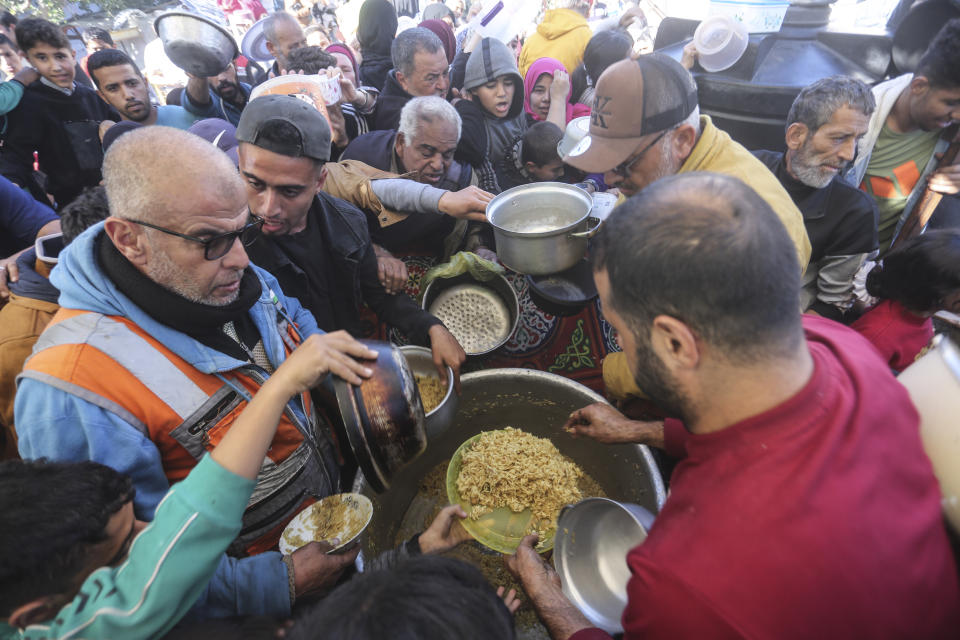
<point x="57" y="118"/>
<point x="913" y="282"/>
<point x="547" y="90"/>
<point x="534" y="158"/>
<point x="18" y="76"/>
<point x="492" y="113"/>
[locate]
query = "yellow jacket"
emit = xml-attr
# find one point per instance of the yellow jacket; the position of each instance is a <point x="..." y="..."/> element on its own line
<point x="716" y="151"/>
<point x="563" y="35"/>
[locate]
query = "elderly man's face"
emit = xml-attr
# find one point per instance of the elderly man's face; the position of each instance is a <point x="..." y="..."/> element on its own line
<point x="430" y="77"/>
<point x="289" y="36"/>
<point x="179" y="264"/>
<point x="827" y="151"/>
<point x="430" y="152"/>
<point x="280" y="189"/>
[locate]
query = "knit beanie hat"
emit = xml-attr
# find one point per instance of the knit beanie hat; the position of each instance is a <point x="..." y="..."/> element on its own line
<point x="490" y="60"/>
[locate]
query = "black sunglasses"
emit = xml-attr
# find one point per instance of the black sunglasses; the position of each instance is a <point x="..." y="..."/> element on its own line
<point x="623" y="169"/>
<point x="219" y="245"/>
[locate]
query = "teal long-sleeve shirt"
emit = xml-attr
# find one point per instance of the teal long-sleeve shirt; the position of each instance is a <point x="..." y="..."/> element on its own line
<point x="168" y="566"/>
<point x="10" y="95"/>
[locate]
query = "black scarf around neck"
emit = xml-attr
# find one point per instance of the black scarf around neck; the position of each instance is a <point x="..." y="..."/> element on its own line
<point x="202" y="322"/>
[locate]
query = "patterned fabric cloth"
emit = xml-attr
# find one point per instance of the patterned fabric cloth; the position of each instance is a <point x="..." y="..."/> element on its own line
<point x="572" y="346"/>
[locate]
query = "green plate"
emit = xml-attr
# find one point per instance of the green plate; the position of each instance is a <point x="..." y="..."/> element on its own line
<point x="501" y="529"/>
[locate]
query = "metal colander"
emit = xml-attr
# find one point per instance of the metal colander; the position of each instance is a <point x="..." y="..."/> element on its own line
<point x="481" y="315"/>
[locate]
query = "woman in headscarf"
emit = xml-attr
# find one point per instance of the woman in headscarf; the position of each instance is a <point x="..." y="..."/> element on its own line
<point x="378" y="25"/>
<point x="546" y="94"/>
<point x="445" y="32"/>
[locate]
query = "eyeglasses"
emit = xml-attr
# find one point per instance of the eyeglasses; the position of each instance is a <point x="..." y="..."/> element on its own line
<point x="623" y="169"/>
<point x="219" y="245"/>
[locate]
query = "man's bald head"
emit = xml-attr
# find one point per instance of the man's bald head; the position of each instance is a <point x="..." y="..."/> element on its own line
<point x="707" y="250"/>
<point x="153" y="173"/>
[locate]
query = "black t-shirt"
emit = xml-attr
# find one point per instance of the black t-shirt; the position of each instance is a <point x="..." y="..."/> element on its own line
<point x="306" y="250"/>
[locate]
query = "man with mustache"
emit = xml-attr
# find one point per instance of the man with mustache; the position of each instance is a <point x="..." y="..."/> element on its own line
<point x="220" y="96"/>
<point x="165" y="333"/>
<point x="824" y="125"/>
<point x="122" y="86"/>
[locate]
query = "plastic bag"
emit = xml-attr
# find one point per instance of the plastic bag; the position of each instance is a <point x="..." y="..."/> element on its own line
<point x="462" y="262"/>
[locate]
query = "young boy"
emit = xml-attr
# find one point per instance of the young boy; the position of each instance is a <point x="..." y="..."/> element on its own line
<point x="18" y="76"/>
<point x="534" y="158"/>
<point x="57" y="118"/>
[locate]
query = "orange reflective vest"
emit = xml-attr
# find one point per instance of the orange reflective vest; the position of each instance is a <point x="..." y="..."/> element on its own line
<point x="112" y="363"/>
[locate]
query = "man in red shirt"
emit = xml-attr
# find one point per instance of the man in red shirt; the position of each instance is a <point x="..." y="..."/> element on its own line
<point x="803" y="505"/>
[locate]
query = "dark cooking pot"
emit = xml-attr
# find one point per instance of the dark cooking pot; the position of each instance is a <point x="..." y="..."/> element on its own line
<point x="383" y="418"/>
<point x="542" y="228"/>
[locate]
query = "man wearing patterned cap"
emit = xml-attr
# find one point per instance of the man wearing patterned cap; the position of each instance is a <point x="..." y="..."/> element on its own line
<point x="646" y="125"/>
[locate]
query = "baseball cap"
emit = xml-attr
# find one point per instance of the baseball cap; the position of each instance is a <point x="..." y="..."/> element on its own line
<point x="117" y="130"/>
<point x="220" y="133"/>
<point x="312" y="127"/>
<point x="633" y="98"/>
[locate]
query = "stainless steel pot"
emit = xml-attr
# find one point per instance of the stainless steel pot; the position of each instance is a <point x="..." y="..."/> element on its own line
<point x="536" y="401"/>
<point x="420" y="360"/>
<point x="197" y="45"/>
<point x="542" y="228"/>
<point x="590" y="554"/>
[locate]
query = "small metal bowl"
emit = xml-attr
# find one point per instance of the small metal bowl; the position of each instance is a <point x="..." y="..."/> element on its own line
<point x="492" y="302"/>
<point x="565" y="293"/>
<point x="590" y="554"/>
<point x="300" y="531"/>
<point x="420" y="360"/>
<point x="199" y="46"/>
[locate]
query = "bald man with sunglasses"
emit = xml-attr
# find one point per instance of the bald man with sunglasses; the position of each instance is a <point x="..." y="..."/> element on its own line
<point x="166" y="332"/>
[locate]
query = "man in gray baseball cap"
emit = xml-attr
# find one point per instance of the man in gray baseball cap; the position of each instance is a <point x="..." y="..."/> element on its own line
<point x="316" y="245"/>
<point x="646" y="125"/>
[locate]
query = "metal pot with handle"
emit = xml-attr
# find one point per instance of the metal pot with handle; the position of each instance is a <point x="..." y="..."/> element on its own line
<point x="542" y="228"/>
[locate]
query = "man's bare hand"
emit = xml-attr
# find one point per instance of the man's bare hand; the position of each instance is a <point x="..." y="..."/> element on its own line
<point x="605" y="424"/>
<point x="319" y="355"/>
<point x="27" y="76"/>
<point x="689" y="56"/>
<point x="946" y="180"/>
<point x="509" y="598"/>
<point x="445" y="532"/>
<point x="9" y="272"/>
<point x="447" y="352"/>
<point x="469" y="203"/>
<point x="338" y="126"/>
<point x="533" y="572"/>
<point x="392" y="273"/>
<point x="542" y="585"/>
<point x="314" y="570"/>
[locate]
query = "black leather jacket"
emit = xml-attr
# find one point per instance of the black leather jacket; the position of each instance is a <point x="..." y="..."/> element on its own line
<point x="347" y="241"/>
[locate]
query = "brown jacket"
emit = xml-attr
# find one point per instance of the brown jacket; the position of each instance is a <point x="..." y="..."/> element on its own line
<point x="350" y="180"/>
<point x="22" y="320"/>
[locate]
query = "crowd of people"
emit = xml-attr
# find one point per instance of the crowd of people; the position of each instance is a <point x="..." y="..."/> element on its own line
<point x="181" y="272"/>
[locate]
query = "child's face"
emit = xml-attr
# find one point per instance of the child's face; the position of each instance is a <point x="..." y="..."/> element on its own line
<point x="93" y="45"/>
<point x="53" y="63"/>
<point x="496" y="96"/>
<point x="540" y="96"/>
<point x="546" y="172"/>
<point x="10" y="61"/>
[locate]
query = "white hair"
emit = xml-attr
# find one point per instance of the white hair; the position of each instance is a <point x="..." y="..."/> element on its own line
<point x="693" y="120"/>
<point x="426" y="109"/>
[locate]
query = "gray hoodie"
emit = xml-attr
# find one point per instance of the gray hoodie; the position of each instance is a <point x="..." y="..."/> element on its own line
<point x="490" y="60"/>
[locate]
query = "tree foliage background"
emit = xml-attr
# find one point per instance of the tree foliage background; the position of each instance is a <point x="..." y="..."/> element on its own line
<point x="54" y="9"/>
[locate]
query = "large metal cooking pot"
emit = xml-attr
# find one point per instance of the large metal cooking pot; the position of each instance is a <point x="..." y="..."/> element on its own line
<point x="537" y="402"/>
<point x="199" y="46"/>
<point x="542" y="228"/>
<point x="383" y="419"/>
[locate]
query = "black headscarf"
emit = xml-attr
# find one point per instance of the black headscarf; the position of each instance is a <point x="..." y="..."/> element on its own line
<point x="378" y="26"/>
